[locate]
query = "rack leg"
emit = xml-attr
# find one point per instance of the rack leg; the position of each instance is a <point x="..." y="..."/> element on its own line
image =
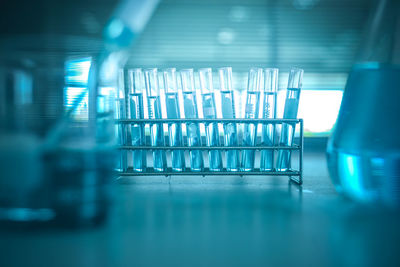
<point x="301" y="153"/>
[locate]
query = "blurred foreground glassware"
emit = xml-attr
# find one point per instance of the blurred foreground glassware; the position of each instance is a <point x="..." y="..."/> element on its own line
<point x="228" y="112"/>
<point x="156" y="129"/>
<point x="251" y="112"/>
<point x="56" y="138"/>
<point x="191" y="112"/>
<point x="136" y="111"/>
<point x="269" y="111"/>
<point x="173" y="112"/>
<point x="364" y="148"/>
<point x="290" y="112"/>
<point x="57" y="99"/>
<point x="210" y="112"/>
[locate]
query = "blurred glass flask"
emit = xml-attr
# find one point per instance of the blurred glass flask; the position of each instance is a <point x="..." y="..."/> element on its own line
<point x="364" y="148"/>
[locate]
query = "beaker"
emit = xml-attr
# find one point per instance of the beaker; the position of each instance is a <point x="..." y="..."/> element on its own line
<point x="57" y="101"/>
<point x="57" y="135"/>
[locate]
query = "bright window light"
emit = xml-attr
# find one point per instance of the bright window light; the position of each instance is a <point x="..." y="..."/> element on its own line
<point x="319" y="109"/>
<point x="76" y="82"/>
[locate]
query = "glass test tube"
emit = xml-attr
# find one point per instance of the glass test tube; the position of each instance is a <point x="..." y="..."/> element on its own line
<point x="269" y="112"/>
<point x="228" y="112"/>
<point x="156" y="129"/>
<point x="191" y="112"/>
<point x="251" y="112"/>
<point x="290" y="112"/>
<point x="136" y="111"/>
<point x="120" y="113"/>
<point x="174" y="129"/>
<point x="210" y="112"/>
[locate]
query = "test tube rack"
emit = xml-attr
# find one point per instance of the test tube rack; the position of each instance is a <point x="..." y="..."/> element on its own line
<point x="295" y="175"/>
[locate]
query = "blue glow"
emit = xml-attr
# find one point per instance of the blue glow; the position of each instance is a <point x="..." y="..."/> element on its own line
<point x="115" y="28"/>
<point x="350" y="165"/>
<point x="352" y="171"/>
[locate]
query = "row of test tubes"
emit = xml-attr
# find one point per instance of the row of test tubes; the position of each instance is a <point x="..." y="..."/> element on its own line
<point x="262" y="88"/>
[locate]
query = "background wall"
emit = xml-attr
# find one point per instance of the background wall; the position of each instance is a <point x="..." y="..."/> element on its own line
<point x="320" y="36"/>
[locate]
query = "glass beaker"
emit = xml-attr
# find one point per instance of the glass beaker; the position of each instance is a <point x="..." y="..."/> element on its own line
<point x="56" y="135"/>
<point x="57" y="100"/>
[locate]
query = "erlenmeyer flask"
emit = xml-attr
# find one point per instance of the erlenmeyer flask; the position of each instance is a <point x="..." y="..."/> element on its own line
<point x="364" y="149"/>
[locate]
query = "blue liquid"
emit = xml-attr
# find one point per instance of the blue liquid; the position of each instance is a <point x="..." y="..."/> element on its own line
<point x="268" y="132"/>
<point x="212" y="135"/>
<point x="364" y="148"/>
<point x="193" y="130"/>
<point x="157" y="134"/>
<point x="288" y="130"/>
<point x="230" y="130"/>
<point x="250" y="130"/>
<point x="175" y="131"/>
<point x="366" y="176"/>
<point x="137" y="132"/>
<point x="121" y="133"/>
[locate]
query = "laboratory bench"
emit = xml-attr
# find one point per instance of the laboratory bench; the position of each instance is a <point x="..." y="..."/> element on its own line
<point x="220" y="221"/>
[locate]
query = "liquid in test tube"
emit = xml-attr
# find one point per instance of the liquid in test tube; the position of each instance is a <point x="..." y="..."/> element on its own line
<point x="251" y="112"/>
<point x="191" y="112"/>
<point x="156" y="129"/>
<point x="228" y="112"/>
<point x="210" y="112"/>
<point x="120" y="113"/>
<point x="136" y="111"/>
<point x="269" y="112"/>
<point x="174" y="129"/>
<point x="290" y="112"/>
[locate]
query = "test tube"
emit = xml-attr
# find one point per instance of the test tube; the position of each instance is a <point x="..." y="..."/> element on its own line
<point x="228" y="112"/>
<point x="174" y="129"/>
<point x="156" y="129"/>
<point x="210" y="112"/>
<point x="269" y="112"/>
<point x="251" y="112"/>
<point x="191" y="112"/>
<point x="136" y="111"/>
<point x="290" y="112"/>
<point x="120" y="113"/>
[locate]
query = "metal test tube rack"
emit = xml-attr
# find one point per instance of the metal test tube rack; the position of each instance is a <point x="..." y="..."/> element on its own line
<point x="295" y="175"/>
